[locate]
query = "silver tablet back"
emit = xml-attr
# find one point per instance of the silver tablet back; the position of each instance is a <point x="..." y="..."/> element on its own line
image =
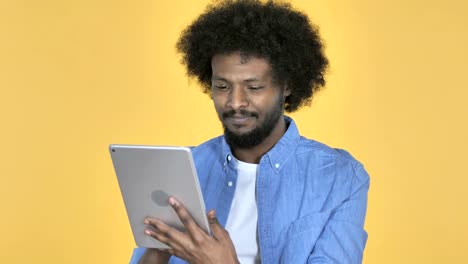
<point x="147" y="176"/>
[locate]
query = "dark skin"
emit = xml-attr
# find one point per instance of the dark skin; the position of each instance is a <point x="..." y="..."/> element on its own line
<point x="238" y="82"/>
<point x="194" y="245"/>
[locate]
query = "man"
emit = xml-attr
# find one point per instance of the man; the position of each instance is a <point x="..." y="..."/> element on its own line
<point x="275" y="197"/>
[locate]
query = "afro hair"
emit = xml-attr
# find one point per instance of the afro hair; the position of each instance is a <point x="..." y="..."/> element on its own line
<point x="272" y="30"/>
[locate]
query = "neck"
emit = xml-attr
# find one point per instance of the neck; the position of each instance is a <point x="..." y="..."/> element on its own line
<point x="253" y="155"/>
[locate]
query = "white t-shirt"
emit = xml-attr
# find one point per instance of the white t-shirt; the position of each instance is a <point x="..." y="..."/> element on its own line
<point x="242" y="220"/>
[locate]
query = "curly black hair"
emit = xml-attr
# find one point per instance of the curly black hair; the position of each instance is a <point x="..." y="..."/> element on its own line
<point x="272" y="30"/>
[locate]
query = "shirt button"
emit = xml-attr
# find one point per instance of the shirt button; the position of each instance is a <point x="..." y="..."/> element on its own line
<point x="230" y="183"/>
<point x="229" y="158"/>
<point x="277" y="165"/>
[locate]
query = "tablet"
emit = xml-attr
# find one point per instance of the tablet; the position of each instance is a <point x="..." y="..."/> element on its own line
<point x="147" y="176"/>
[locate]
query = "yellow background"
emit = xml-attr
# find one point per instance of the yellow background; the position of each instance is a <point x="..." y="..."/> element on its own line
<point x="78" y="75"/>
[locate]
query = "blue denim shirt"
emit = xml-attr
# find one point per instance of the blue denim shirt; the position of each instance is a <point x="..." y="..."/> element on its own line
<point x="311" y="199"/>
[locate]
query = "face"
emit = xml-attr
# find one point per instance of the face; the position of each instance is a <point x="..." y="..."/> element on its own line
<point x="248" y="101"/>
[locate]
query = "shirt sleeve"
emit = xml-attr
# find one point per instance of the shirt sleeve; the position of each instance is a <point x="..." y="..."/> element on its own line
<point x="343" y="238"/>
<point x="137" y="254"/>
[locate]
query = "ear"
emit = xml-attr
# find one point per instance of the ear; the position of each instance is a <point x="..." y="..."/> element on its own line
<point x="286" y="91"/>
<point x="210" y="94"/>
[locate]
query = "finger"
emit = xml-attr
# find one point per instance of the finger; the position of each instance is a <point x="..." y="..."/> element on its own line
<point x="154" y="234"/>
<point x="185" y="217"/>
<point x="174" y="248"/>
<point x="219" y="233"/>
<point x="166" y="234"/>
<point x="149" y="221"/>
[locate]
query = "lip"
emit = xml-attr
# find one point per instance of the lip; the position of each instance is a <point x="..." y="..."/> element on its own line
<point x="238" y="120"/>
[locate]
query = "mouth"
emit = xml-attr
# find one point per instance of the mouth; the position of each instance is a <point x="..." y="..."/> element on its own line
<point x="239" y="120"/>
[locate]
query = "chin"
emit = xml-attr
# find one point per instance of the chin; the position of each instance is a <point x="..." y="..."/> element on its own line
<point x="240" y="132"/>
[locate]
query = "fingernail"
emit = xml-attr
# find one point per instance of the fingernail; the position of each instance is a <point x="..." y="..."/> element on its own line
<point x="146" y="222"/>
<point x="172" y="201"/>
<point x="147" y="232"/>
<point x="212" y="214"/>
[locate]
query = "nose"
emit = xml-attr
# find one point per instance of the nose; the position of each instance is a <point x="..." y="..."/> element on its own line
<point x="237" y="99"/>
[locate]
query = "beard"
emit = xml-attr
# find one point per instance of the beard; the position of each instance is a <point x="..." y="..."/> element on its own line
<point x="259" y="133"/>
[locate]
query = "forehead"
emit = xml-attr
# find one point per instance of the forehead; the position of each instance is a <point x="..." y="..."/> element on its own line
<point x="239" y="66"/>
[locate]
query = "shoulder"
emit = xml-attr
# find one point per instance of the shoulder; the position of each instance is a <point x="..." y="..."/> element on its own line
<point x="209" y="147"/>
<point x="207" y="152"/>
<point x="314" y="148"/>
<point x="341" y="163"/>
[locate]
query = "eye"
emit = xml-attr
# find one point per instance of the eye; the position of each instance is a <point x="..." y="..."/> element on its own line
<point x="220" y="86"/>
<point x="255" y="87"/>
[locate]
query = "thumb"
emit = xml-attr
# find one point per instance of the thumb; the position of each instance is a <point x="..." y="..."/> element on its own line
<point x="216" y="229"/>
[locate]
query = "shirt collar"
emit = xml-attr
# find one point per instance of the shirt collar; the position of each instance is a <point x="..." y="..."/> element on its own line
<point x="275" y="157"/>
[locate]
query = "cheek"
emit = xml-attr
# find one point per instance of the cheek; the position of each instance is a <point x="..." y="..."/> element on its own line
<point x="264" y="104"/>
<point x="218" y="104"/>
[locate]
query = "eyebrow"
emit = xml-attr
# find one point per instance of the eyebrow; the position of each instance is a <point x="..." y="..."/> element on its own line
<point x="249" y="80"/>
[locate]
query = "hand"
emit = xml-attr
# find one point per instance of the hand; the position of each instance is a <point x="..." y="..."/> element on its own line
<point x="194" y="245"/>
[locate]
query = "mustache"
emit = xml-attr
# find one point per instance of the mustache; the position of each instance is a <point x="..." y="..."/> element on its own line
<point x="242" y="112"/>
